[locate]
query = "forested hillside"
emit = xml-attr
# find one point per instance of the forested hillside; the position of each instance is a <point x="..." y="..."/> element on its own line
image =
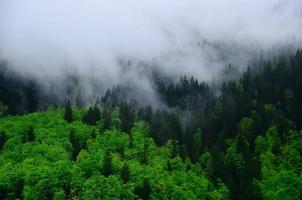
<point x="239" y="139"/>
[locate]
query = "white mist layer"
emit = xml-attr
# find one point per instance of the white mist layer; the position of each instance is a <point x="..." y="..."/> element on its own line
<point x="47" y="39"/>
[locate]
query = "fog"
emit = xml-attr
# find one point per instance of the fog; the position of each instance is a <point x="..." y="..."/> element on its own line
<point x="49" y="39"/>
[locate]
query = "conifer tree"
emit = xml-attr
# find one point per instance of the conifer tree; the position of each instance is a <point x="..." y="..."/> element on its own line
<point x="75" y="145"/>
<point x="93" y="134"/>
<point x="29" y="136"/>
<point x="3" y="139"/>
<point x="146" y="190"/>
<point x="125" y="173"/>
<point x="68" y="112"/>
<point x="144" y="157"/>
<point x="107" y="164"/>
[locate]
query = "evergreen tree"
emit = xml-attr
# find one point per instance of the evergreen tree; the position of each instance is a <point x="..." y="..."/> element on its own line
<point x="93" y="134"/>
<point x="197" y="144"/>
<point x="121" y="151"/>
<point x="174" y="148"/>
<point x="29" y="136"/>
<point x="144" y="155"/>
<point x="75" y="145"/>
<point x="146" y="190"/>
<point x="127" y="117"/>
<point x="68" y="112"/>
<point x="125" y="173"/>
<point x="92" y="116"/>
<point x="107" y="117"/>
<point x="3" y="139"/>
<point x="107" y="169"/>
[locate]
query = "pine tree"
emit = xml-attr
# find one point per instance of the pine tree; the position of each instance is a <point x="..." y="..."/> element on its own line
<point x="125" y="173"/>
<point x="96" y="113"/>
<point x="169" y="167"/>
<point x="146" y="190"/>
<point x="31" y="135"/>
<point x="144" y="156"/>
<point x="107" y="117"/>
<point x="93" y="134"/>
<point x="127" y="117"/>
<point x="75" y="145"/>
<point x="3" y="139"/>
<point x="68" y="112"/>
<point x="197" y="144"/>
<point x="107" y="164"/>
<point x="121" y="151"/>
<point x="174" y="148"/>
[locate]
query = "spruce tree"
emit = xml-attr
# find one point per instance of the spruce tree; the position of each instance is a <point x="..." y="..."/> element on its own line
<point x="3" y="139"/>
<point x="75" y="145"/>
<point x="68" y="112"/>
<point x="197" y="144"/>
<point x="107" y="117"/>
<point x="125" y="173"/>
<point x="30" y="134"/>
<point x="146" y="190"/>
<point x="93" y="134"/>
<point x="144" y="156"/>
<point x="127" y="117"/>
<point x="107" y="164"/>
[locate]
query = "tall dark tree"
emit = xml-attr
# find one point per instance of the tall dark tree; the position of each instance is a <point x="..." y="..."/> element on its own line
<point x="93" y="134"/>
<point x="127" y="117"/>
<point x="107" y="169"/>
<point x="3" y="139"/>
<point x="29" y="136"/>
<point x="146" y="190"/>
<point x="107" y="117"/>
<point x="125" y="175"/>
<point x="75" y="145"/>
<point x="144" y="155"/>
<point x="68" y="112"/>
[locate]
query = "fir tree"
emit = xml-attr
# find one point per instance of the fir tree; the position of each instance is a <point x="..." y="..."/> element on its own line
<point x="125" y="173"/>
<point x="3" y="139"/>
<point x="107" y="164"/>
<point x="146" y="190"/>
<point x="93" y="134"/>
<point x="68" y="112"/>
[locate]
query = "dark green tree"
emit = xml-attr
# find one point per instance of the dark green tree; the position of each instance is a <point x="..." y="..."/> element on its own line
<point x="107" y="117"/>
<point x="107" y="169"/>
<point x="125" y="175"/>
<point x="68" y="112"/>
<point x="3" y="139"/>
<point x="146" y="190"/>
<point x="144" y="155"/>
<point x="127" y="117"/>
<point x="75" y="145"/>
<point x="29" y="136"/>
<point x="93" y="134"/>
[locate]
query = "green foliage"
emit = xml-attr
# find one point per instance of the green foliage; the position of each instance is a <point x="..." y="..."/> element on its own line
<point x="43" y="169"/>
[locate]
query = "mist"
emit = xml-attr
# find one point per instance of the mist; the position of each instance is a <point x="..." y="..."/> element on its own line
<point x="47" y="40"/>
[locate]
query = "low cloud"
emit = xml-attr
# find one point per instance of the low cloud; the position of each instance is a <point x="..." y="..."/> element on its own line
<point x="48" y="39"/>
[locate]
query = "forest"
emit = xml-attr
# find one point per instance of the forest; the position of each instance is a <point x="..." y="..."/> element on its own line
<point x="236" y="139"/>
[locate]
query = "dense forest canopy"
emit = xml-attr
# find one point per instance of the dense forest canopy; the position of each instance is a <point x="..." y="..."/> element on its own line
<point x="239" y="139"/>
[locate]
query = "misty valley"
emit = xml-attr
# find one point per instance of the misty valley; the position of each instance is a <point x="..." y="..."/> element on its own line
<point x="243" y="143"/>
<point x="150" y="100"/>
